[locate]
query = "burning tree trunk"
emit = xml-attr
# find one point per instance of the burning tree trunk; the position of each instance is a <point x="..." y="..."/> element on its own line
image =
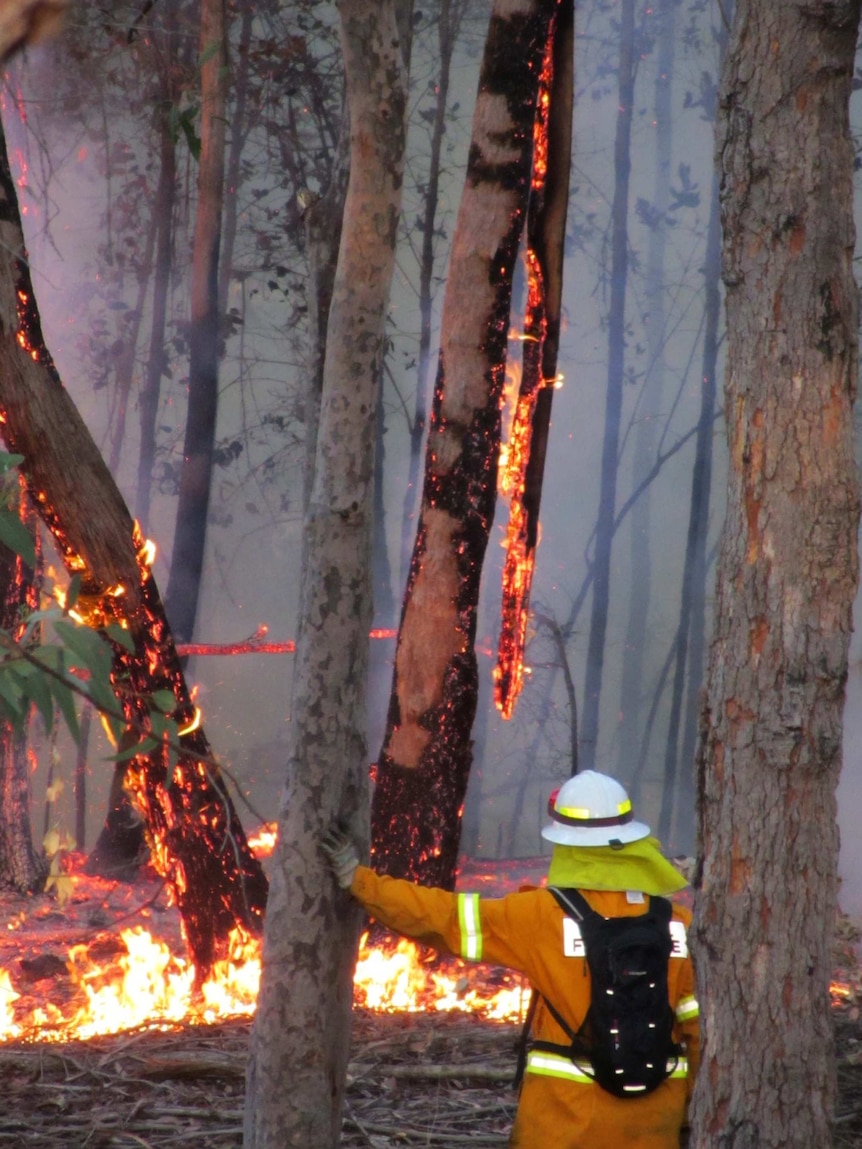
<point x="301" y="1032"/>
<point x="531" y="424"/>
<point x="787" y="577"/>
<point x="193" y="827"/>
<point x="425" y="761"/>
<point x="181" y="597"/>
<point x="20" y="867"/>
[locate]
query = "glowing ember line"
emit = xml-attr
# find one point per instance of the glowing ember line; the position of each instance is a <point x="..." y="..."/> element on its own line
<point x="520" y="470"/>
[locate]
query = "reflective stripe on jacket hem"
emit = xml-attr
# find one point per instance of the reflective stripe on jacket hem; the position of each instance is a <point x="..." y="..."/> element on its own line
<point x="471" y="927"/>
<point x="558" y="1065"/>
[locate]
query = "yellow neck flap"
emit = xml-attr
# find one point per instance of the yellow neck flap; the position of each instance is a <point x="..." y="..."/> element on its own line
<point x="635" y="866"/>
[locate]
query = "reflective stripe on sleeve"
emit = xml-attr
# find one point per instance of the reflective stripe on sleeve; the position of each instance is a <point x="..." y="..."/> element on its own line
<point x="471" y="927"/>
<point x="687" y="1009"/>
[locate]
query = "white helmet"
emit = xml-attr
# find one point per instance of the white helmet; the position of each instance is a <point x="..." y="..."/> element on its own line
<point x="592" y="809"/>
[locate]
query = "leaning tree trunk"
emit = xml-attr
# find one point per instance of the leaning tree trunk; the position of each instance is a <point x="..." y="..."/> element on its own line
<point x="425" y="761"/>
<point x="787" y="577"/>
<point x="197" y="836"/>
<point x="302" y="1028"/>
<point x="187" y="556"/>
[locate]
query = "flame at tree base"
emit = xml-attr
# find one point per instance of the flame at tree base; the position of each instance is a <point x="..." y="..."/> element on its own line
<point x="56" y="987"/>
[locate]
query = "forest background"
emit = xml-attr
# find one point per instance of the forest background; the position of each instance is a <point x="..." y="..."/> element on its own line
<point x="91" y="118"/>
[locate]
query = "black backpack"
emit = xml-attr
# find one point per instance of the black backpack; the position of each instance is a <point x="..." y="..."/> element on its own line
<point x="627" y="1035"/>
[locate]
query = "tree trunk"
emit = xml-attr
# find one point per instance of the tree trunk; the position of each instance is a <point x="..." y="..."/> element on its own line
<point x="198" y="838"/>
<point x="688" y="645"/>
<point x="605" y="524"/>
<point x="425" y="761"/>
<point x="156" y="359"/>
<point x="20" y="865"/>
<point x="187" y="557"/>
<point x="448" y="23"/>
<point x="649" y="405"/>
<point x="302" y="1028"/>
<point x="531" y="423"/>
<point x="787" y="576"/>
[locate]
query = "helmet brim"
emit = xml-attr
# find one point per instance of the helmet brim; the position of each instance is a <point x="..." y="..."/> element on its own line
<point x="595" y="835"/>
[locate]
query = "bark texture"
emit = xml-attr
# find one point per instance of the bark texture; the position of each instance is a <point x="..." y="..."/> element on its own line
<point x="198" y="838"/>
<point x="424" y="764"/>
<point x="300" y="1040"/>
<point x="771" y="750"/>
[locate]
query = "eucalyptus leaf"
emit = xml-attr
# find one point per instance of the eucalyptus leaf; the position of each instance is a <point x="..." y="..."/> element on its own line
<point x="16" y="537"/>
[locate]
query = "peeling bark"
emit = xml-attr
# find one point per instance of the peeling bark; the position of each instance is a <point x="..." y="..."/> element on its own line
<point x="423" y="767"/>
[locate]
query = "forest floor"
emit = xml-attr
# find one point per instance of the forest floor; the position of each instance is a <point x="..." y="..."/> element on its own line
<point x="415" y="1079"/>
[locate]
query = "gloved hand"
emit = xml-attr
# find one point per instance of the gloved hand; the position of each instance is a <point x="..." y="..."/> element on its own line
<point x="341" y="855"/>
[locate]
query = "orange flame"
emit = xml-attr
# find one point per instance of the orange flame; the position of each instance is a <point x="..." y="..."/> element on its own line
<point x="145" y="984"/>
<point x="522" y="533"/>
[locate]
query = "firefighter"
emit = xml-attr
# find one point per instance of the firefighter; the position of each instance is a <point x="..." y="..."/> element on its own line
<point x="599" y="849"/>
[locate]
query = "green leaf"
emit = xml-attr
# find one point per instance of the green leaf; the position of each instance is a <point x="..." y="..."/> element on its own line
<point x="12" y="704"/>
<point x="39" y="686"/>
<point x="143" y="747"/>
<point x="73" y="591"/>
<point x="120" y="636"/>
<point x="7" y="461"/>
<point x="164" y="700"/>
<point x="159" y="723"/>
<point x="87" y="646"/>
<point x="16" y="537"/>
<point x="65" y="700"/>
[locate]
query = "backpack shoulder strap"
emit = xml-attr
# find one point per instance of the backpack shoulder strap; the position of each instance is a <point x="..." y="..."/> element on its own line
<point x="661" y="907"/>
<point x="574" y="903"/>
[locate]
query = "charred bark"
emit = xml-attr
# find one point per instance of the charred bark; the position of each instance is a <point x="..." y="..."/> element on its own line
<point x="546" y="242"/>
<point x="787" y="577"/>
<point x="424" y="764"/>
<point x="192" y="825"/>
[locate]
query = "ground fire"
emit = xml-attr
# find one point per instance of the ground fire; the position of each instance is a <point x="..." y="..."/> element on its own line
<point x="64" y="976"/>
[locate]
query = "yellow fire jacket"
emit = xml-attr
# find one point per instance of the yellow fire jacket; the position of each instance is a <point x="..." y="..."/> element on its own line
<point x="560" y="1107"/>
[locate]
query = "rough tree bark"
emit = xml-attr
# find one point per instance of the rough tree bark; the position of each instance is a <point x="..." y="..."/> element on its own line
<point x="187" y="556"/>
<point x="302" y="1027"/>
<point x="425" y="760"/>
<point x="787" y="575"/>
<point x="198" y="837"/>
